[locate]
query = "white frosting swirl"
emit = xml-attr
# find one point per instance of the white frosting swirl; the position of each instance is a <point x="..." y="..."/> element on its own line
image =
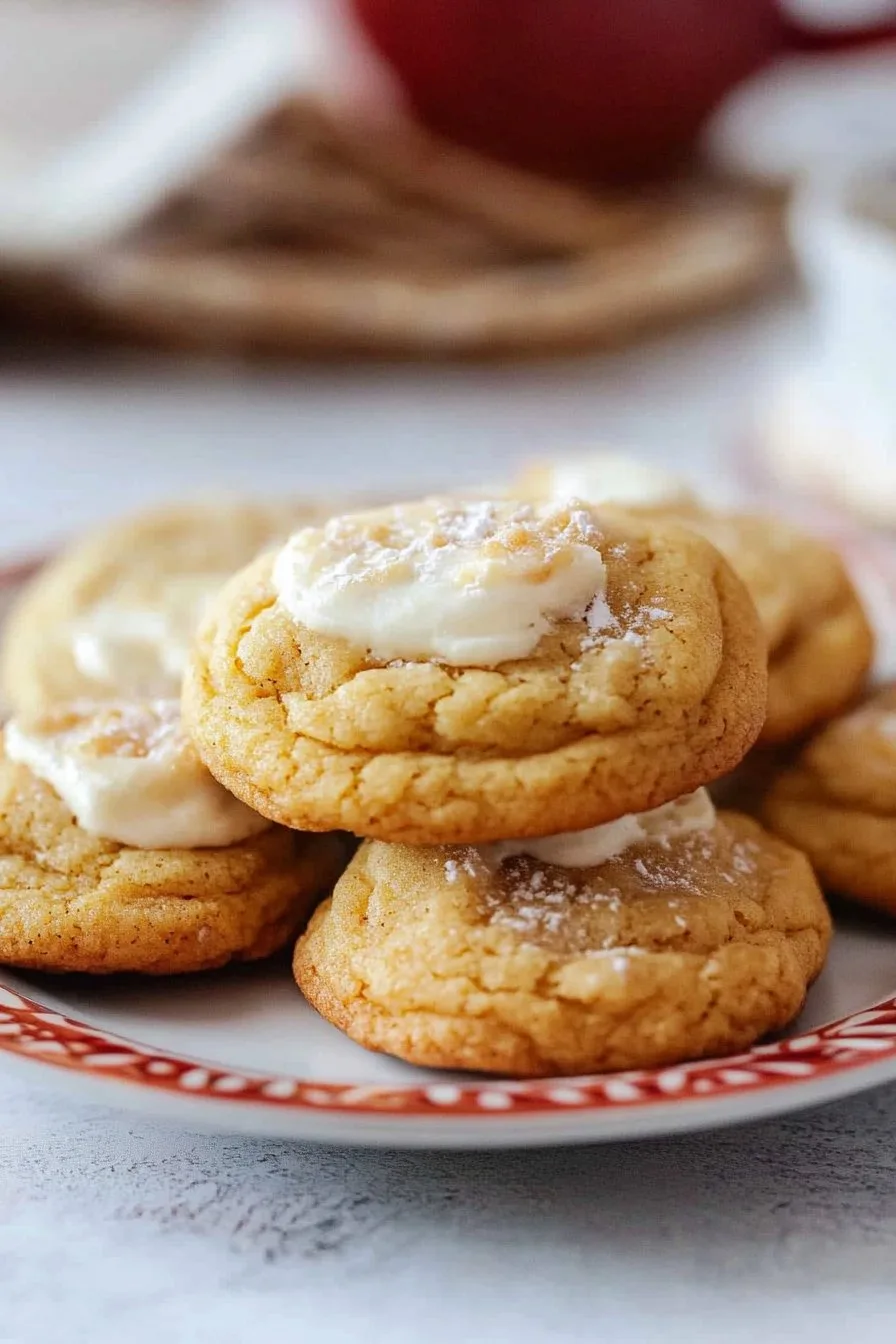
<point x="587" y="849"/>
<point x="141" y="649"/>
<point x="615" y="478"/>
<point x="467" y="584"/>
<point x="128" y="773"/>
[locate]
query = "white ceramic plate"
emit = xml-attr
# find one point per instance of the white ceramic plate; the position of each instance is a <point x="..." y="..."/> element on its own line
<point x="240" y="1050"/>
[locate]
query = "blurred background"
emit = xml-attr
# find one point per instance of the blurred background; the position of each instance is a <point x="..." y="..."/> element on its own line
<point x="384" y="244"/>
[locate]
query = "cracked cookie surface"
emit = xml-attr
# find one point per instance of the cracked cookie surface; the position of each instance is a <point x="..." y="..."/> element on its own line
<point x="71" y="901"/>
<point x="671" y="952"/>
<point x="315" y="733"/>
<point x="837" y="802"/>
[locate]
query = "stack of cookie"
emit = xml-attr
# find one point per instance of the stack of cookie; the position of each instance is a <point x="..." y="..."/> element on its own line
<point x="518" y="707"/>
<point x="118" y="850"/>
<point x="515" y="706"/>
<point x="833" y="795"/>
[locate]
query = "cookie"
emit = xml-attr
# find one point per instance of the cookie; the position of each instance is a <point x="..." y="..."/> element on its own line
<point x="113" y="615"/>
<point x="837" y="802"/>
<point x="810" y="610"/>
<point x="671" y="951"/>
<point x="648" y="680"/>
<point x="74" y="900"/>
<point x="821" y="644"/>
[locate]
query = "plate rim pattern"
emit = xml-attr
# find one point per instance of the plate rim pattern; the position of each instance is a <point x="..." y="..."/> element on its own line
<point x="33" y="1031"/>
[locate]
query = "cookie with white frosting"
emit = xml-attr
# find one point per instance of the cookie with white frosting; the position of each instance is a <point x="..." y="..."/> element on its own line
<point x="457" y="671"/>
<point x="605" y="476"/>
<point x="820" y="640"/>
<point x="119" y="852"/>
<point x="646" y="942"/>
<point x="114" y="613"/>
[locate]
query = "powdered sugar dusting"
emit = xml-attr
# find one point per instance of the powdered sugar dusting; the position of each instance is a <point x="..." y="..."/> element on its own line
<point x="352" y="547"/>
<point x="598" y="617"/>
<point x="535" y="900"/>
<point x="594" y="911"/>
<point x="462" y="582"/>
<point x="456" y="869"/>
<point x="630" y="628"/>
<point x="744" y="857"/>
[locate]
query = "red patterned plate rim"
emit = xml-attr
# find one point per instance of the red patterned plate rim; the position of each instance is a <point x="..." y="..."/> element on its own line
<point x="35" y="1032"/>
<point x="32" y="1031"/>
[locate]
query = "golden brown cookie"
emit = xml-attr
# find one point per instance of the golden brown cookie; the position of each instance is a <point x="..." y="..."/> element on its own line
<point x="837" y="802"/>
<point x="314" y="732"/>
<point x="669" y="952"/>
<point x="820" y="641"/>
<point x="73" y="901"/>
<point x="114" y="613"/>
<point x="821" y="644"/>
